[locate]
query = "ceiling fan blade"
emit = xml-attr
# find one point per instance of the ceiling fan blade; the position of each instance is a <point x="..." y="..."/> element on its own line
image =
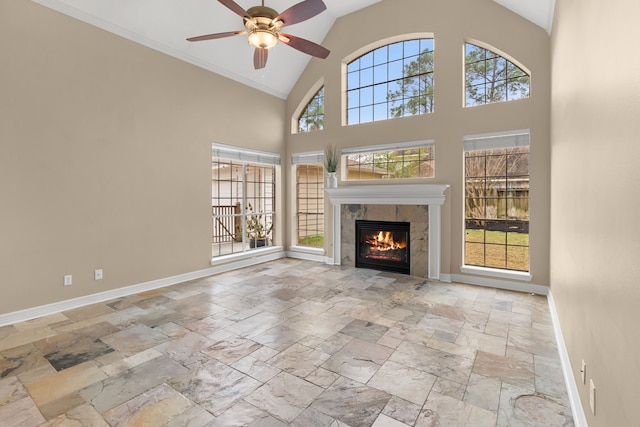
<point x="235" y="7"/>
<point x="305" y="46"/>
<point x="260" y="58"/>
<point x="301" y="12"/>
<point x="215" y="36"/>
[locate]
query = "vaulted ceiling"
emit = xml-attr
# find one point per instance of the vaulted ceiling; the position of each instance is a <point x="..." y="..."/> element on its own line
<point x="164" y="25"/>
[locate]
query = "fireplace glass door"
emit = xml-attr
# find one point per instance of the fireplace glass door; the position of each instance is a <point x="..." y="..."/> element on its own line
<point x="383" y="245"/>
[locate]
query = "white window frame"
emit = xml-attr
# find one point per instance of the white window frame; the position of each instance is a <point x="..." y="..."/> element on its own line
<point x="313" y="157"/>
<point x="246" y="155"/>
<point x="501" y="55"/>
<point x="489" y="141"/>
<point x="306" y="109"/>
<point x="381" y="148"/>
<point x="371" y="49"/>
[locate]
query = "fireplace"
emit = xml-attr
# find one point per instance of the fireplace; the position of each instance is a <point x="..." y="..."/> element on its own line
<point x="383" y="245"/>
<point x="419" y="204"/>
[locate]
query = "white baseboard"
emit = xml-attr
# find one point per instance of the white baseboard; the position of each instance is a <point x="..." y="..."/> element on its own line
<point x="246" y="259"/>
<point x="491" y="282"/>
<point x="223" y="264"/>
<point x="577" y="410"/>
<point x="307" y="254"/>
<point x="57" y="307"/>
<point x="567" y="371"/>
<point x="220" y="266"/>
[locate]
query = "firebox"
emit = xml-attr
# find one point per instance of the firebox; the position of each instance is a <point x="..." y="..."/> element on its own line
<point x="383" y="245"/>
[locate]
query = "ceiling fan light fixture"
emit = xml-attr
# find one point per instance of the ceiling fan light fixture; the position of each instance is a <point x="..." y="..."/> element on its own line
<point x="262" y="38"/>
<point x="263" y="27"/>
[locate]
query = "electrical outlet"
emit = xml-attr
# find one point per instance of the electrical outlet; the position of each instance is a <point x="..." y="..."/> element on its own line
<point x="583" y="371"/>
<point x="68" y="280"/>
<point x="592" y="397"/>
<point x="97" y="274"/>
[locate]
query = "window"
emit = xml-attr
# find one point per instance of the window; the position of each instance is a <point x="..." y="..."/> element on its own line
<point x="491" y="78"/>
<point x="390" y="161"/>
<point x="392" y="81"/>
<point x="497" y="201"/>
<point x="312" y="118"/>
<point x="242" y="199"/>
<point x="309" y="199"/>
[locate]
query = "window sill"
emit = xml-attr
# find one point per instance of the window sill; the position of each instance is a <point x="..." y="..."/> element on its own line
<point x="496" y="272"/>
<point x="307" y="250"/>
<point x="247" y="255"/>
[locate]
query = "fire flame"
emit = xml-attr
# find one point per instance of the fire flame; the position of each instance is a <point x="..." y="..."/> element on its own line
<point x="383" y="241"/>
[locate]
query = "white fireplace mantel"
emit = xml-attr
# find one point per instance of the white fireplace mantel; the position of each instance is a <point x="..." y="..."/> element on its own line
<point x="431" y="195"/>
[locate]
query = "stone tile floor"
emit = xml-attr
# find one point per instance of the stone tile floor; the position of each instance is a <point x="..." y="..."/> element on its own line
<point x="294" y="343"/>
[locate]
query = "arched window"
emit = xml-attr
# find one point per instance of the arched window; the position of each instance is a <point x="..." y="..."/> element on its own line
<point x="491" y="78"/>
<point x="312" y="118"/>
<point x="395" y="80"/>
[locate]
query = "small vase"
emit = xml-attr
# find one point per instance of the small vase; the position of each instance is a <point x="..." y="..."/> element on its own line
<point x="332" y="180"/>
<point x="257" y="243"/>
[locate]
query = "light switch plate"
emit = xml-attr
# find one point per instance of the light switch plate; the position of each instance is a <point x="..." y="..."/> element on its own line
<point x="592" y="396"/>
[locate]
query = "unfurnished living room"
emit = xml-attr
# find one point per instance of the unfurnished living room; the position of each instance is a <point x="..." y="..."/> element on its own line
<point x="319" y="213"/>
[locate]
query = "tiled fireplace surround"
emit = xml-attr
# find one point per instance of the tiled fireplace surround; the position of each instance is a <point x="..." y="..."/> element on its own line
<point x="418" y="204"/>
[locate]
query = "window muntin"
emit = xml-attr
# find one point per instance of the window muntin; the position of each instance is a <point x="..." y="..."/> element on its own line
<point x="312" y="118"/>
<point x="491" y="78"/>
<point x="242" y="203"/>
<point x="401" y="161"/>
<point x="310" y="205"/>
<point x="497" y="208"/>
<point x="391" y="81"/>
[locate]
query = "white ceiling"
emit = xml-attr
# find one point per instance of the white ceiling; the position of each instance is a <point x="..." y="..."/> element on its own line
<point x="165" y="24"/>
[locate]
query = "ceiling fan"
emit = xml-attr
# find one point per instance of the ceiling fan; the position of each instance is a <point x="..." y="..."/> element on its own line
<point x="263" y="27"/>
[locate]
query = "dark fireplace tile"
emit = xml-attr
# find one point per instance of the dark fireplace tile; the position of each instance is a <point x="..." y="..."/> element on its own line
<point x="381" y="213"/>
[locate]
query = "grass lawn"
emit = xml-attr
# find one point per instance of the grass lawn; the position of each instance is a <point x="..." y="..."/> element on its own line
<point x="497" y="249"/>
<point x="314" y="241"/>
<point x="488" y="249"/>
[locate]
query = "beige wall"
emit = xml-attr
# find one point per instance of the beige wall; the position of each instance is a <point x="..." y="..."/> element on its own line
<point x="452" y="23"/>
<point x="105" y="157"/>
<point x="595" y="243"/>
<point x="105" y="148"/>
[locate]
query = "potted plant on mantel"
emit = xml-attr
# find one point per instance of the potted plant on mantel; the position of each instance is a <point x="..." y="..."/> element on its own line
<point x="258" y="233"/>
<point x="331" y="159"/>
